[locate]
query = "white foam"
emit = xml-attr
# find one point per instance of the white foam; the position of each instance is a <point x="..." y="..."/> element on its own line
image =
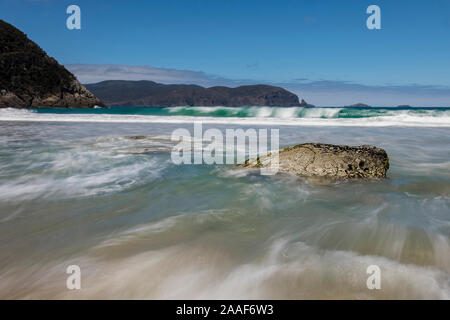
<point x="205" y="109"/>
<point x="321" y="112"/>
<point x="262" y="118"/>
<point x="261" y="112"/>
<point x="94" y="167"/>
<point x="284" y="113"/>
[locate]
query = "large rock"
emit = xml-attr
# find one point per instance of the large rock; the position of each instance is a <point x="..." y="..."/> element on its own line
<point x="320" y="160"/>
<point x="29" y="78"/>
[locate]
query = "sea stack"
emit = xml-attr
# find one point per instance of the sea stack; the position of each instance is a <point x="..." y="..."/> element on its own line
<point x="29" y="78"/>
<point x="320" y="160"/>
<point x="305" y="104"/>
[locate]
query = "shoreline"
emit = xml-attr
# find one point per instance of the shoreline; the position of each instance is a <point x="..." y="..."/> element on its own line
<point x="300" y="122"/>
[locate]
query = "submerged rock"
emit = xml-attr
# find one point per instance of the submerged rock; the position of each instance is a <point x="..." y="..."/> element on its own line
<point x="320" y="160"/>
<point x="136" y="137"/>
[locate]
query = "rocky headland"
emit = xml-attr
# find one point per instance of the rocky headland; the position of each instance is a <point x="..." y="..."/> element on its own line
<point x="29" y="78"/>
<point x="149" y="93"/>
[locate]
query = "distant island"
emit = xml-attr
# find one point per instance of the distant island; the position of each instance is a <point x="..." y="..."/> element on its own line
<point x="358" y="105"/>
<point x="29" y="78"/>
<point x="149" y="93"/>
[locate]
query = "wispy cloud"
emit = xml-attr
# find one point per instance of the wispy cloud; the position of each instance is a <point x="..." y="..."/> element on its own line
<point x="318" y="92"/>
<point x="90" y="73"/>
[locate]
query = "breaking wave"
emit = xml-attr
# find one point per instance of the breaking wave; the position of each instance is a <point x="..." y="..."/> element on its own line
<point x="292" y="116"/>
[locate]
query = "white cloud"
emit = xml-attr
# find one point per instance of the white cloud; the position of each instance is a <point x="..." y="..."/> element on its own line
<point x="91" y="73"/>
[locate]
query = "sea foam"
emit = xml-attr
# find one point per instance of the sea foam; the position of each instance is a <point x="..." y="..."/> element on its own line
<point x="262" y="116"/>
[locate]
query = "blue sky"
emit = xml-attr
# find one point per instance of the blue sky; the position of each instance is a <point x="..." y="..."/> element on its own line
<point x="322" y="50"/>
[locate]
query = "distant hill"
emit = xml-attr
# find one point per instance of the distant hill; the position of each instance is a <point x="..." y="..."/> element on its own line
<point x="149" y="93"/>
<point x="358" y="105"/>
<point x="29" y="78"/>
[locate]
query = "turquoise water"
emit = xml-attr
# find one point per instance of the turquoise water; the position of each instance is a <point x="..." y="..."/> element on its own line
<point x="248" y="112"/>
<point x="268" y="116"/>
<point x="83" y="191"/>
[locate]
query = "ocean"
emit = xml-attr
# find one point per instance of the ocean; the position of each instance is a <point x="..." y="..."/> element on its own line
<point x="78" y="188"/>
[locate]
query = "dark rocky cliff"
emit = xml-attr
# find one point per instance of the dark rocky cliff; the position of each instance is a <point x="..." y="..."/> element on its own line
<point x="149" y="93"/>
<point x="29" y="78"/>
